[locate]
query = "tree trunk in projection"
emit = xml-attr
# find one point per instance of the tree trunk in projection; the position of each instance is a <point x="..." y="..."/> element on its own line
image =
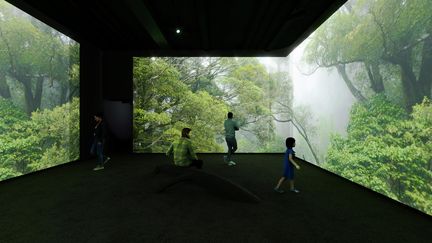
<point x="32" y="102"/>
<point x="308" y="142"/>
<point x="4" y="87"/>
<point x="37" y="99"/>
<point x="425" y="76"/>
<point x="28" y="94"/>
<point x="375" y="77"/>
<point x="354" y="91"/>
<point x="65" y="95"/>
<point x="73" y="92"/>
<point x="411" y="87"/>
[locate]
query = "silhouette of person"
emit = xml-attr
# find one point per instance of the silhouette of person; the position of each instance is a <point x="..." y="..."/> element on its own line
<point x="184" y="155"/>
<point x="230" y="127"/>
<point x="289" y="164"/>
<point x="99" y="142"/>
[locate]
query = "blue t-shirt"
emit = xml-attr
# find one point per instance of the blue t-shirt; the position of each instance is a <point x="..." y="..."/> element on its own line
<point x="287" y="163"/>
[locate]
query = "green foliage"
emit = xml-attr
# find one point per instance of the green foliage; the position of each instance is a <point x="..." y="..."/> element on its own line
<point x="10" y="114"/>
<point x="33" y="55"/>
<point x="390" y="35"/>
<point x="387" y="147"/>
<point x="164" y="105"/>
<point x="50" y="137"/>
<point x="206" y="120"/>
<point x="74" y="66"/>
<point x="19" y="147"/>
<point x="59" y="127"/>
<point x="387" y="151"/>
<point x="172" y="93"/>
<point x="276" y="145"/>
<point x="384" y="116"/>
<point x="39" y="68"/>
<point x="47" y="160"/>
<point x="6" y="173"/>
<point x="252" y="95"/>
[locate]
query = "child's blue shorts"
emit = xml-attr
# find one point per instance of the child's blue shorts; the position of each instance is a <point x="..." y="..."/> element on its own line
<point x="289" y="172"/>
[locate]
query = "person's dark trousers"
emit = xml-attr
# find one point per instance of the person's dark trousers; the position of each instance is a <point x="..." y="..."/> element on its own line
<point x="197" y="163"/>
<point x="98" y="147"/>
<point x="232" y="147"/>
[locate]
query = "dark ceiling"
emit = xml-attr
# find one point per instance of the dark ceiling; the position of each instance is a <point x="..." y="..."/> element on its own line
<point x="209" y="27"/>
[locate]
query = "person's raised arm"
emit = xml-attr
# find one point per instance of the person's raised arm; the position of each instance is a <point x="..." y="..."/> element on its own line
<point x="236" y="126"/>
<point x="291" y="159"/>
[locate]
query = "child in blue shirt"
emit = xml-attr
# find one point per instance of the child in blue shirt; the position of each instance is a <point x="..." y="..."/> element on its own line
<point x="289" y="164"/>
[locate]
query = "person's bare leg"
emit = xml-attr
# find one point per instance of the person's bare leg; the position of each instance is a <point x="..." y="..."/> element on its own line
<point x="281" y="180"/>
<point x="291" y="182"/>
<point x="292" y="188"/>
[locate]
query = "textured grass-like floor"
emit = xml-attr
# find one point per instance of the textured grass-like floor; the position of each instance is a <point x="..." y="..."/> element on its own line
<point x="72" y="203"/>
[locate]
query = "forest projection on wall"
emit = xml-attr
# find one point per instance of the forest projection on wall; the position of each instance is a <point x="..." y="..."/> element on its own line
<point x="39" y="94"/>
<point x="171" y="93"/>
<point x="355" y="94"/>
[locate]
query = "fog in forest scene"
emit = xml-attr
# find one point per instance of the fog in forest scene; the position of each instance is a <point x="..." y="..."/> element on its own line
<point x="39" y="95"/>
<point x="355" y="94"/>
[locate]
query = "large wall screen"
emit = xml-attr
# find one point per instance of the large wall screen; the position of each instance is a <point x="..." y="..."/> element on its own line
<point x="197" y="92"/>
<point x="39" y="94"/>
<point x="355" y="95"/>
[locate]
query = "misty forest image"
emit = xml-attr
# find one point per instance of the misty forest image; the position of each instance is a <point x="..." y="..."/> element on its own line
<point x="175" y="92"/>
<point x="368" y="69"/>
<point x="39" y="95"/>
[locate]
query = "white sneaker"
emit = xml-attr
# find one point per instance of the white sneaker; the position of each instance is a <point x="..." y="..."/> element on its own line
<point x="98" y="168"/>
<point x="231" y="163"/>
<point x="295" y="190"/>
<point x="107" y="159"/>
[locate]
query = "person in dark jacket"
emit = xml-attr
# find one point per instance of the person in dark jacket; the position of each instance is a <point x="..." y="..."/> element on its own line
<point x="99" y="141"/>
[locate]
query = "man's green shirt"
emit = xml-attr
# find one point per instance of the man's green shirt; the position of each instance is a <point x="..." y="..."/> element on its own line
<point x="183" y="152"/>
<point x="230" y="127"/>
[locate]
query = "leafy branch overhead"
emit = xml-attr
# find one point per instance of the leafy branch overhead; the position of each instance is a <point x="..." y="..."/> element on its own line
<point x="172" y="92"/>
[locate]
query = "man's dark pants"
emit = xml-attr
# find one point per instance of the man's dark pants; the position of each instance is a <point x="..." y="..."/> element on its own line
<point x="232" y="147"/>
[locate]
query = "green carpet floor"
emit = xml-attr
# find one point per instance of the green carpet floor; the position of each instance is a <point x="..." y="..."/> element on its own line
<point x="72" y="203"/>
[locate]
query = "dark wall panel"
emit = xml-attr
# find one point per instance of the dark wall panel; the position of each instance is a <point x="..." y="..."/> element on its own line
<point x="90" y="93"/>
<point x="117" y="95"/>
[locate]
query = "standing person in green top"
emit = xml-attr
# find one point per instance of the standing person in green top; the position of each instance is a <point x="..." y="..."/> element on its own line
<point x="230" y="127"/>
<point x="184" y="156"/>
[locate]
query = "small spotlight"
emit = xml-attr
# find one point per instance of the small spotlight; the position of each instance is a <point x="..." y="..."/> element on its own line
<point x="178" y="31"/>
